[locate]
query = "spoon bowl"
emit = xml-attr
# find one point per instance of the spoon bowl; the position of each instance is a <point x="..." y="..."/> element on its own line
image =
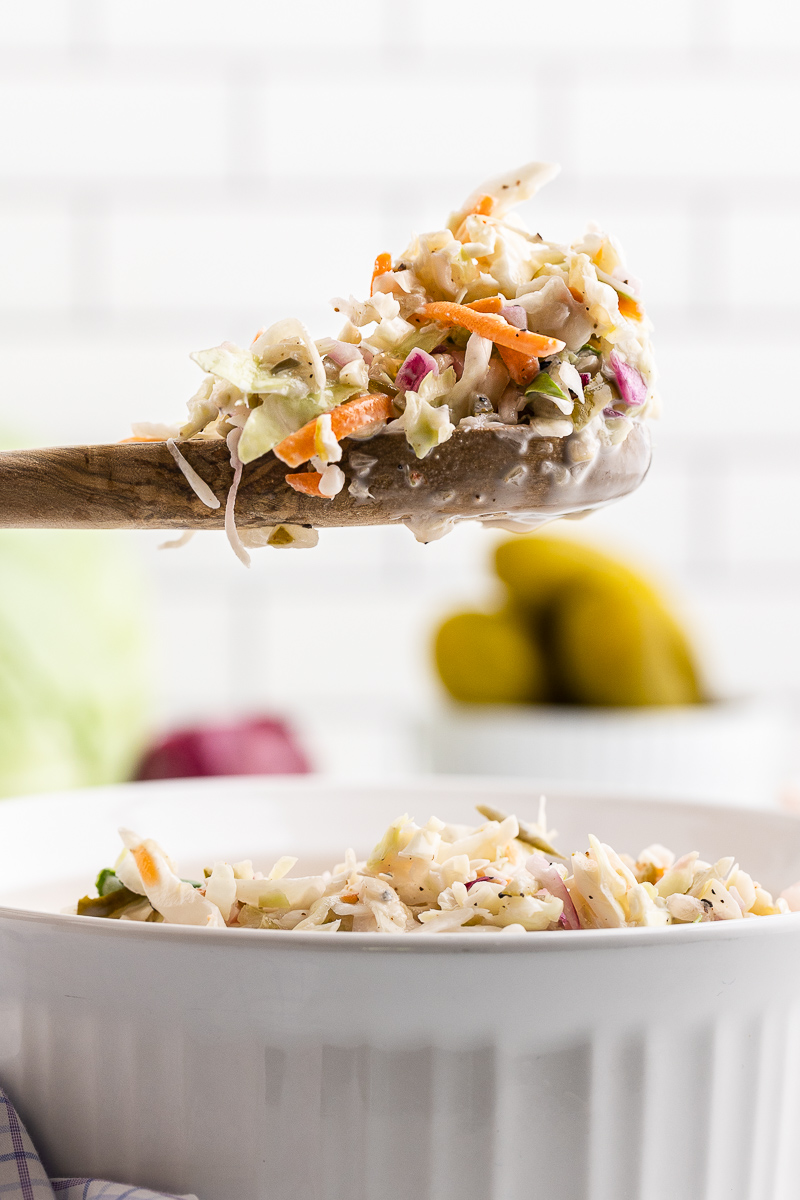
<point x="500" y="474"/>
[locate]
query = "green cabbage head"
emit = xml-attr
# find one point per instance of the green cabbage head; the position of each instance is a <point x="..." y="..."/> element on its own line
<point x="72" y="669"/>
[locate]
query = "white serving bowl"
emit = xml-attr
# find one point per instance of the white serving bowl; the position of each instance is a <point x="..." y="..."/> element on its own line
<point x="637" y="1064"/>
<point x="725" y="752"/>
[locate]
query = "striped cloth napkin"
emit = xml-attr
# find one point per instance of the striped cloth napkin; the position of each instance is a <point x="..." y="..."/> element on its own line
<point x="22" y="1176"/>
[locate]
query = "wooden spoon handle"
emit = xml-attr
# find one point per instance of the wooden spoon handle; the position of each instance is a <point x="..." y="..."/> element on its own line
<point x="482" y="473"/>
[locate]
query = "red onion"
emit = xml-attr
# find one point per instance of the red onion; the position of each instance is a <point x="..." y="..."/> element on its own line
<point x="612" y="412"/>
<point x="455" y="354"/>
<point x="546" y="873"/>
<point x="480" y="879"/>
<point x="585" y="377"/>
<point x="342" y="353"/>
<point x="516" y="315"/>
<point x="458" y="360"/>
<point x="630" y="382"/>
<point x="417" y="365"/>
<point x="258" y="746"/>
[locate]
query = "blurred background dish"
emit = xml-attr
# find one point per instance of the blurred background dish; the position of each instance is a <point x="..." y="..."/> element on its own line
<point x="584" y="676"/>
<point x="173" y="173"/>
<point x="731" y="752"/>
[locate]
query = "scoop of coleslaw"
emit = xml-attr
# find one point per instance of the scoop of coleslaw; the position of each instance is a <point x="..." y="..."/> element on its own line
<point x="481" y="321"/>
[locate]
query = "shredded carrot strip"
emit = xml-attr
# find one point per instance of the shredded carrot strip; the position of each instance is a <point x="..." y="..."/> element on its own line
<point x="355" y="414"/>
<point x="630" y="308"/>
<point x="520" y="367"/>
<point x="576" y="295"/>
<point x="125" y="441"/>
<point x="307" y="482"/>
<point x="490" y="304"/>
<point x="484" y="207"/>
<point x="383" y="263"/>
<point x="493" y="327"/>
<point x="146" y="865"/>
<point x="346" y="419"/>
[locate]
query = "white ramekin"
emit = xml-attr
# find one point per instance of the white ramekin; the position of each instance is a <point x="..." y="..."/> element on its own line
<point x="726" y="752"/>
<point x="601" y="1065"/>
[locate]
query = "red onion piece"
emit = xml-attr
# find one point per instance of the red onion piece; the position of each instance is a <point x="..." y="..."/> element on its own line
<point x="458" y="361"/>
<point x="417" y="365"/>
<point x="480" y="879"/>
<point x="546" y="873"/>
<point x="456" y="355"/>
<point x="342" y="353"/>
<point x="630" y="382"/>
<point x="256" y="746"/>
<point x="585" y="377"/>
<point x="516" y="315"/>
<point x="612" y="412"/>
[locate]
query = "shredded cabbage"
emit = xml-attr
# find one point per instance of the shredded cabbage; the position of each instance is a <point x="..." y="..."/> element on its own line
<point x="575" y="294"/>
<point x="476" y="365"/>
<point x="198" y="485"/>
<point x="244" y="371"/>
<point x="581" y="295"/>
<point x="278" y="416"/>
<point x="508" y="189"/>
<point x="426" y="420"/>
<point x="436" y="878"/>
<point x="232" y="533"/>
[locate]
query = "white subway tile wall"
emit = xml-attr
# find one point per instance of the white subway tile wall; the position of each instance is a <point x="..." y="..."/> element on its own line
<point x="176" y="172"/>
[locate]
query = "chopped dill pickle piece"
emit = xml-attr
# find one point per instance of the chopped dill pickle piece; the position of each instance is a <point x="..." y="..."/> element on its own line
<point x="107" y="882"/>
<point x="108" y="905"/>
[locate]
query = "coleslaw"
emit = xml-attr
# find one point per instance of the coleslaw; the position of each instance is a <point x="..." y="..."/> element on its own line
<point x="482" y="323"/>
<point x="504" y="875"/>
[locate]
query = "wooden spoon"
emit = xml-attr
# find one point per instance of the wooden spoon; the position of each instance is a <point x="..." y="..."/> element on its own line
<point x="491" y="473"/>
